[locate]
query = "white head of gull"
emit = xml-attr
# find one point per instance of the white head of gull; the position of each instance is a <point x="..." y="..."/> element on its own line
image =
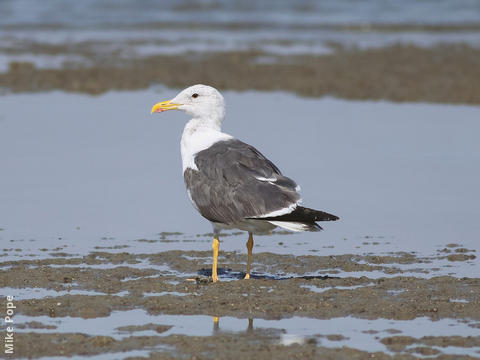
<point x="204" y="104"/>
<point x="230" y="182"/>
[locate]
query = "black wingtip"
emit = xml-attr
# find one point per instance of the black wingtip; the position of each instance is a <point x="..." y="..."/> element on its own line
<point x="334" y="218"/>
<point x="305" y="215"/>
<point x="317" y="215"/>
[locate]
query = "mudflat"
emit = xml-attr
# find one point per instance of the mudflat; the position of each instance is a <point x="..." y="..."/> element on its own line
<point x="443" y="73"/>
<point x="109" y="285"/>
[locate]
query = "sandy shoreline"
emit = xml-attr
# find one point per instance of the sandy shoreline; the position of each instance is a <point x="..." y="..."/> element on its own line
<point x="402" y="73"/>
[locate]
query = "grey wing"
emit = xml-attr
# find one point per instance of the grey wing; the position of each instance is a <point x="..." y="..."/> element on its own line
<point x="235" y="181"/>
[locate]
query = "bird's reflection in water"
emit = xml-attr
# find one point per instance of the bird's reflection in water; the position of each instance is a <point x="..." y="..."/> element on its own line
<point x="216" y="325"/>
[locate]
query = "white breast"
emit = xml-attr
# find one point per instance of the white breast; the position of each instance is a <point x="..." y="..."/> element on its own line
<point x="195" y="140"/>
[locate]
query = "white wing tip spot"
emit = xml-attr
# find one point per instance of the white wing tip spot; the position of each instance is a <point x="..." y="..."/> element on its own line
<point x="292" y="226"/>
<point x="272" y="179"/>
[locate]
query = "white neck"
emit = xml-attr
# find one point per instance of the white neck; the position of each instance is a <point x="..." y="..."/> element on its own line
<point x="200" y="123"/>
<point x="199" y="134"/>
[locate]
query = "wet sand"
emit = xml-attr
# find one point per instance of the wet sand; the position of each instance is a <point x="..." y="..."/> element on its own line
<point x="443" y="73"/>
<point x="177" y="283"/>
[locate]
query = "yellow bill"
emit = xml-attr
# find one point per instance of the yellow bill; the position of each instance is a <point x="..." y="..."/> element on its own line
<point x="164" y="106"/>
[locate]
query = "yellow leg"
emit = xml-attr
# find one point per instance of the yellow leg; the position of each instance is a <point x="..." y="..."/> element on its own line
<point x="215" y="246"/>
<point x="216" y="325"/>
<point x="249" y="256"/>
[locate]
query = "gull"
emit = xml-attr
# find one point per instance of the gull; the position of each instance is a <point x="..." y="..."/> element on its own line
<point x="230" y="182"/>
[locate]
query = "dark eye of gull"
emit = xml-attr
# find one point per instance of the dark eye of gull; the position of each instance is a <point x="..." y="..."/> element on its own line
<point x="195" y="95"/>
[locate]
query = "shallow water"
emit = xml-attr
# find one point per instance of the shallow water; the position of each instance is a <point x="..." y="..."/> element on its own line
<point x="93" y="12"/>
<point x="39" y="293"/>
<point x="80" y="172"/>
<point x="361" y="334"/>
